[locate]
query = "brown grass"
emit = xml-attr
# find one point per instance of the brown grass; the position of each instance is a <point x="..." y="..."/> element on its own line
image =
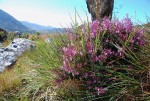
<point x="9" y="80"/>
<point x="70" y="87"/>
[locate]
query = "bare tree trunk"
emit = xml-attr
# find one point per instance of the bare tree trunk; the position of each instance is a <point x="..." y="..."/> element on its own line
<point x="100" y="8"/>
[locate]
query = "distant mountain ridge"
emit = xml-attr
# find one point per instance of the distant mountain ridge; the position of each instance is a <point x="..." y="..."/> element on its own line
<point x="9" y="23"/>
<point x="41" y="28"/>
<point x="37" y="27"/>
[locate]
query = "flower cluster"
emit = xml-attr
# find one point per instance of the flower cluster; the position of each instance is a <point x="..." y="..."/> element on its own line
<point x="70" y="64"/>
<point x="103" y="45"/>
<point x="138" y="38"/>
<point x="95" y="26"/>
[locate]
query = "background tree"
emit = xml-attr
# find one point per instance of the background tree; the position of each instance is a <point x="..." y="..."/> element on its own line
<point x="3" y="35"/>
<point x="100" y="8"/>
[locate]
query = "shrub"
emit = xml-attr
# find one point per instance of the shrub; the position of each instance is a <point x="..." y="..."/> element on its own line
<point x="3" y="35"/>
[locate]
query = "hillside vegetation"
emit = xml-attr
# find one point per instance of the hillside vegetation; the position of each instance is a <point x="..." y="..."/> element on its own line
<point x="105" y="61"/>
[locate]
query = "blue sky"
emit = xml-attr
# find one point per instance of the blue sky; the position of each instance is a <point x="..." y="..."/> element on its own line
<point x="136" y="9"/>
<point x="57" y="12"/>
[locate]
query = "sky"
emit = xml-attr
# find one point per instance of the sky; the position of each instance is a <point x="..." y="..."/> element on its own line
<point x="58" y="13"/>
<point x="138" y="10"/>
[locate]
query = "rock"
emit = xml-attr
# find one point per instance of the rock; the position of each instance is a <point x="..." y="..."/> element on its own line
<point x="9" y="54"/>
<point x="3" y="35"/>
<point x="100" y="8"/>
<point x="17" y="34"/>
<point x="48" y="40"/>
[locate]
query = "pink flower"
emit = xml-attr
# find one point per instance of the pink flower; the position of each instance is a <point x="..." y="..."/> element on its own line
<point x="85" y="75"/>
<point x="106" y="24"/>
<point x="127" y="24"/>
<point x="89" y="47"/>
<point x="138" y="38"/>
<point x="69" y="52"/>
<point x="118" y="27"/>
<point x="95" y="26"/>
<point x="105" y="54"/>
<point x="120" y="52"/>
<point x="100" y="90"/>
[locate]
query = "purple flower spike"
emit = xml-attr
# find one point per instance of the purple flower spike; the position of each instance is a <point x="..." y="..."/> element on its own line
<point x="106" y="24"/>
<point x="127" y="24"/>
<point x="95" y="26"/>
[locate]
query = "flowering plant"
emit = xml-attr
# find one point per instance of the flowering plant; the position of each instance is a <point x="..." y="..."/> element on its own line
<point x="95" y="47"/>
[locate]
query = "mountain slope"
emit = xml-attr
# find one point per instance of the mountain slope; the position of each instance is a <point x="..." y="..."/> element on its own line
<point x="9" y="23"/>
